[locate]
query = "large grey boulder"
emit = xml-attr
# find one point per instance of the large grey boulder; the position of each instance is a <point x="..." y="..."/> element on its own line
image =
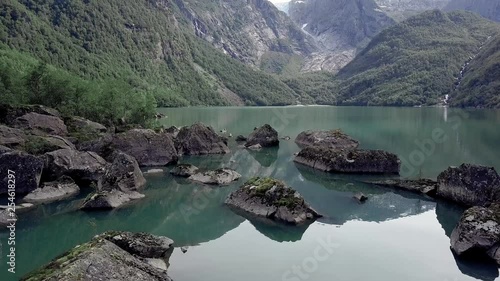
<point x="28" y="171"/>
<point x="118" y="256"/>
<point x="63" y="188"/>
<point x="272" y="199"/>
<point x="79" y="165"/>
<point x="39" y="145"/>
<point x="80" y="124"/>
<point x="147" y="147"/>
<point x="334" y="139"/>
<point x="40" y="124"/>
<point x="349" y="161"/>
<point x="199" y="139"/>
<point x="470" y="185"/>
<point x="217" y="177"/>
<point x="123" y="174"/>
<point x="265" y="136"/>
<point x="184" y="170"/>
<point x="478" y="233"/>
<point x="9" y="113"/>
<point x="11" y="137"/>
<point x="107" y="200"/>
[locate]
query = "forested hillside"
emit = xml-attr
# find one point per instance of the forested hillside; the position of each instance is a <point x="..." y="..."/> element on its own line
<point x="144" y="44"/>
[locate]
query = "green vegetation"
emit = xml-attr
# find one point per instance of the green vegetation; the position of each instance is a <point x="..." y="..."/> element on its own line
<point x="286" y="196"/>
<point x="414" y="62"/>
<point x="480" y="86"/>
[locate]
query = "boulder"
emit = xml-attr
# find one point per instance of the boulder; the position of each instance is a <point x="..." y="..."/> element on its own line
<point x="333" y="139"/>
<point x="142" y="244"/>
<point x="118" y="256"/>
<point x="184" y="170"/>
<point x="81" y="166"/>
<point x="147" y="147"/>
<point x="255" y="147"/>
<point x="184" y="249"/>
<point x="200" y="139"/>
<point x="4" y="149"/>
<point x="349" y="161"/>
<point x="11" y="137"/>
<point x="28" y="171"/>
<point x="478" y="233"/>
<point x="266" y="136"/>
<point x="123" y="174"/>
<point x="106" y="200"/>
<point x="423" y="186"/>
<point x="241" y="138"/>
<point x="173" y="131"/>
<point x="39" y="145"/>
<point x="39" y="124"/>
<point x="6" y="218"/>
<point x="79" y="124"/>
<point x="470" y="185"/>
<point x="63" y="188"/>
<point x="360" y="197"/>
<point x="272" y="199"/>
<point x="217" y="177"/>
<point x="9" y="113"/>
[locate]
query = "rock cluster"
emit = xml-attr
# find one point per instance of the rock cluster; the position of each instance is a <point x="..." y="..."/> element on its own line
<point x="333" y="139"/>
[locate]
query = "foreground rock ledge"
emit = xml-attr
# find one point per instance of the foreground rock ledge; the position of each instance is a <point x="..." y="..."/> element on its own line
<point x="333" y="139"/>
<point x="349" y="161"/>
<point x="272" y="199"/>
<point x="477" y="234"/>
<point x="110" y="256"/>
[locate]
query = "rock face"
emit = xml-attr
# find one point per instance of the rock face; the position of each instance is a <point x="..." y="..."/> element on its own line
<point x="63" y="188"/>
<point x="470" y="185"/>
<point x="81" y="166"/>
<point x="11" y="137"/>
<point x="184" y="170"/>
<point x="486" y="8"/>
<point x="265" y="136"/>
<point x="28" y="171"/>
<point x="218" y="177"/>
<point x="40" y="124"/>
<point x="147" y="147"/>
<point x="200" y="139"/>
<point x="272" y="199"/>
<point x="478" y="233"/>
<point x="349" y="161"/>
<point x="339" y="28"/>
<point x="123" y="174"/>
<point x="424" y="186"/>
<point x="119" y="256"/>
<point x="334" y="139"/>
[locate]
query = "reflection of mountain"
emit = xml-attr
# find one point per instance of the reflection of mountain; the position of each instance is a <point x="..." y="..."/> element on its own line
<point x="331" y="195"/>
<point x="266" y="157"/>
<point x="273" y="230"/>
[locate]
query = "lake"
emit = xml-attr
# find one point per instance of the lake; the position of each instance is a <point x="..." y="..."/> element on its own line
<point x="395" y="235"/>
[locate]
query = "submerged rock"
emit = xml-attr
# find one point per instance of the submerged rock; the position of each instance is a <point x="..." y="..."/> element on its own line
<point x="123" y="174"/>
<point x="147" y="147"/>
<point x="470" y="185"/>
<point x="40" y="124"/>
<point x="27" y="171"/>
<point x="255" y="147"/>
<point x="184" y="170"/>
<point x="349" y="161"/>
<point x="200" y="139"/>
<point x="333" y="139"/>
<point x="360" y="197"/>
<point x="107" y="200"/>
<point x="184" y="249"/>
<point x="266" y="136"/>
<point x="424" y="186"/>
<point x="218" y="177"/>
<point x="478" y="233"/>
<point x="241" y="138"/>
<point x="272" y="199"/>
<point x="120" y="256"/>
<point x="63" y="188"/>
<point x="81" y="166"/>
<point x="154" y="171"/>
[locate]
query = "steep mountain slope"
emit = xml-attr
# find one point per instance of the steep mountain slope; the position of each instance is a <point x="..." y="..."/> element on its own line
<point x="147" y="44"/>
<point x="339" y="28"/>
<point x="480" y="85"/>
<point x="403" y="9"/>
<point x="283" y="6"/>
<point x="489" y="9"/>
<point x="415" y="62"/>
<point x="247" y="30"/>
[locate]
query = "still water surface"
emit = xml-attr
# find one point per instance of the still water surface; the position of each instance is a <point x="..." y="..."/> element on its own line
<point x="394" y="236"/>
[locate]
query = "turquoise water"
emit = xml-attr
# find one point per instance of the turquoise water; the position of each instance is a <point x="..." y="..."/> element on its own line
<point x="394" y="236"/>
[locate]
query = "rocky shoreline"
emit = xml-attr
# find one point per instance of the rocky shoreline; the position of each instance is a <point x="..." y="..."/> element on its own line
<point x="56" y="157"/>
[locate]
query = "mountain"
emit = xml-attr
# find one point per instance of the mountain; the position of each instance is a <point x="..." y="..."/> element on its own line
<point x="152" y="46"/>
<point x="340" y="28"/>
<point x="415" y="62"/>
<point x="489" y="9"/>
<point x="283" y="6"/>
<point x="403" y="9"/>
<point x="480" y="85"/>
